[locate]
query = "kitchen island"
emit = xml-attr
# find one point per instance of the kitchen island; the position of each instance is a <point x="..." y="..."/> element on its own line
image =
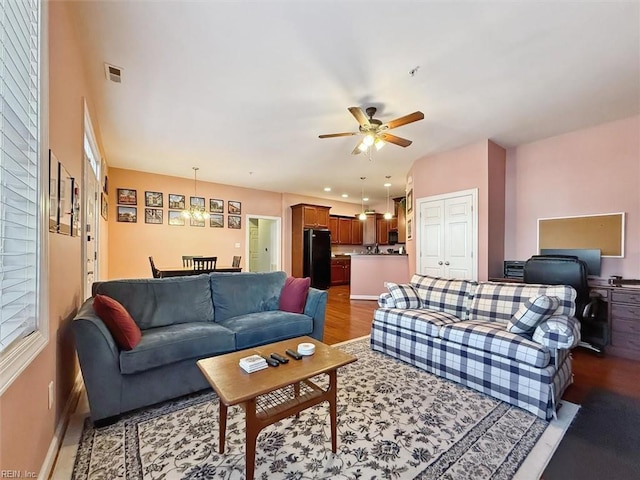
<point x="369" y="272"/>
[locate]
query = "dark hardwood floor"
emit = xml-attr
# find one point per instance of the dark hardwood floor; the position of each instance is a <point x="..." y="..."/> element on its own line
<point x="347" y="319"/>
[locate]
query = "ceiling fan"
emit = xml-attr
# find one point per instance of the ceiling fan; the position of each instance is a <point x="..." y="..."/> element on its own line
<point x="374" y="131"/>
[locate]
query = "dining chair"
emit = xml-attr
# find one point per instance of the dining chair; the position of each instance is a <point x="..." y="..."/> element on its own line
<point x="204" y="263"/>
<point x="236" y="261"/>
<point x="155" y="272"/>
<point x="187" y="260"/>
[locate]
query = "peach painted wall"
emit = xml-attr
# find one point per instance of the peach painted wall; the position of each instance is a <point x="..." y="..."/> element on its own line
<point x="130" y="244"/>
<point x="590" y="171"/>
<point x="496" y="166"/>
<point x="461" y="169"/>
<point x="27" y="424"/>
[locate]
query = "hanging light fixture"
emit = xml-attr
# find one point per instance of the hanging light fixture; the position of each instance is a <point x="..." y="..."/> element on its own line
<point x="388" y="215"/>
<point x="362" y="216"/>
<point x="197" y="212"/>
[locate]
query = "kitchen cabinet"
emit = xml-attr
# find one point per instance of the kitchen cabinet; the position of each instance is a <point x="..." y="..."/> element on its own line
<point x="344" y="231"/>
<point x="369" y="229"/>
<point x="303" y="216"/>
<point x="382" y="230"/>
<point x="340" y="271"/>
<point x="333" y="228"/>
<point x="356" y="231"/>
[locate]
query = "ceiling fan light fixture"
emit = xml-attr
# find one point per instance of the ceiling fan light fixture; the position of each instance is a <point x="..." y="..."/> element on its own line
<point x="362" y="147"/>
<point x="379" y="143"/>
<point x="368" y="140"/>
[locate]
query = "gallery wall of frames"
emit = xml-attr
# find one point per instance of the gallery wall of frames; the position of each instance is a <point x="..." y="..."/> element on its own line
<point x="153" y="206"/>
<point x="64" y="199"/>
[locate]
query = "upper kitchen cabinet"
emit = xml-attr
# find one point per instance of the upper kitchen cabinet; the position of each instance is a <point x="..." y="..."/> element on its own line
<point x="356" y="231"/>
<point x="342" y="230"/>
<point x="333" y="228"/>
<point x="313" y="216"/>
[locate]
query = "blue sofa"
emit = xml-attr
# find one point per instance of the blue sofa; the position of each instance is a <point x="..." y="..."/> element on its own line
<point x="182" y="319"/>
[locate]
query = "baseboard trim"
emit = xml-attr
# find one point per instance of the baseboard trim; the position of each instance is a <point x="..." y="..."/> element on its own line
<point x="363" y="297"/>
<point x="50" y="460"/>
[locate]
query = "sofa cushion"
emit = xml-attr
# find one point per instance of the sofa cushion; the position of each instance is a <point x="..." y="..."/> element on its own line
<point x="420" y="320"/>
<point x="531" y="313"/>
<point x="122" y="327"/>
<point x="236" y="294"/>
<point x="558" y="332"/>
<point x="266" y="327"/>
<point x="159" y="302"/>
<point x="493" y="337"/>
<point x="445" y="295"/>
<point x="173" y="343"/>
<point x="294" y="294"/>
<point x="500" y="301"/>
<point x="404" y="295"/>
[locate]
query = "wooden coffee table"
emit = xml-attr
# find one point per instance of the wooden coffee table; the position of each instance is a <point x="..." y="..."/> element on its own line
<point x="262" y="394"/>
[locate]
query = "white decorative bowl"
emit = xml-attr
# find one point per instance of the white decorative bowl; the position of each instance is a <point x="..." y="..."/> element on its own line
<point x="306" y="348"/>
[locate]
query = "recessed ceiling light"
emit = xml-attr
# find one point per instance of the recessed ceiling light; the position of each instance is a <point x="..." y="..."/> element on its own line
<point x="327" y="189"/>
<point x="365" y="199"/>
<point x="344" y="195"/>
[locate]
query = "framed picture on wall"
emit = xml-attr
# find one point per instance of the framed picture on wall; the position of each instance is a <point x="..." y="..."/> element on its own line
<point x="127" y="214"/>
<point x="66" y="201"/>
<point x="176" y="218"/>
<point x="197" y="202"/>
<point x="54" y="193"/>
<point x="127" y="196"/>
<point x="216" y="220"/>
<point x="176" y="202"/>
<point x="196" y="222"/>
<point x="153" y="215"/>
<point x="234" y="222"/>
<point x="410" y="229"/>
<point x="153" y="199"/>
<point x="104" y="206"/>
<point x="216" y="206"/>
<point x="410" y="201"/>
<point x="234" y="208"/>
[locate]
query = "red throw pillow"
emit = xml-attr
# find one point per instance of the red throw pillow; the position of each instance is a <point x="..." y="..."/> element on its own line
<point x="123" y="328"/>
<point x="294" y="294"/>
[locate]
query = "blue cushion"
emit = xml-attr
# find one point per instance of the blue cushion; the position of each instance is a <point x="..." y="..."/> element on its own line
<point x="267" y="327"/>
<point x="236" y="294"/>
<point x="173" y="343"/>
<point x="162" y="301"/>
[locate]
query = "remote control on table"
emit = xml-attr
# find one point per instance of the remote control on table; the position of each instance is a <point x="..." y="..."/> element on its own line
<point x="294" y="354"/>
<point x="279" y="358"/>
<point x="271" y="361"/>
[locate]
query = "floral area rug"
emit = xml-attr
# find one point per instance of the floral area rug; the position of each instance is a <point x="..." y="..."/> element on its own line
<point x="394" y="422"/>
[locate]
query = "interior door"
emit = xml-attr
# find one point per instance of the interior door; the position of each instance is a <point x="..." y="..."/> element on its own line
<point x="90" y="231"/>
<point x="446" y="237"/>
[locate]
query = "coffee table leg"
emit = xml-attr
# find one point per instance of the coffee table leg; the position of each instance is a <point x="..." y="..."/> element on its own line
<point x="333" y="409"/>
<point x="252" y="431"/>
<point x="223" y="426"/>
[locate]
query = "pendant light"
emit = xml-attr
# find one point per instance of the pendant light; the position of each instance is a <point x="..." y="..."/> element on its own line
<point x="362" y="216"/>
<point x="195" y="212"/>
<point x="388" y="215"/>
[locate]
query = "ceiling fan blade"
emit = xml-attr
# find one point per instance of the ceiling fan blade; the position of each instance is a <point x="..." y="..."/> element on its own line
<point x="357" y="151"/>
<point x="387" y="137"/>
<point x="331" y="135"/>
<point x="398" y="122"/>
<point x="360" y="116"/>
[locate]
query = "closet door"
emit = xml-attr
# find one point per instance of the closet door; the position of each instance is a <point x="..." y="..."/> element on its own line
<point x="446" y="237"/>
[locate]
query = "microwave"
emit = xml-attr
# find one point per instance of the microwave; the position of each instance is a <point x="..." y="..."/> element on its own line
<point x="392" y="237"/>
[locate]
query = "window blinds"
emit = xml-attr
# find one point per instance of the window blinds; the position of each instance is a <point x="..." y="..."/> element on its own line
<point x="19" y="167"/>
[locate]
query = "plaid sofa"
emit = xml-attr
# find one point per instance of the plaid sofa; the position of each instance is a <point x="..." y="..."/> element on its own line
<point x="457" y="329"/>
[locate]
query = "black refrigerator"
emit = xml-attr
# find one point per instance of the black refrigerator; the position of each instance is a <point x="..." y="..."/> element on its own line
<point x="317" y="257"/>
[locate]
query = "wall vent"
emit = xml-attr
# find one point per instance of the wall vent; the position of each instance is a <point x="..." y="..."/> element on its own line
<point x="113" y="73"/>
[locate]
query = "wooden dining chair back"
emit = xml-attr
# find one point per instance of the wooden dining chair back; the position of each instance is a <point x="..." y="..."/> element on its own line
<point x="204" y="263"/>
<point x="236" y="261"/>
<point x="187" y="260"/>
<point x="154" y="271"/>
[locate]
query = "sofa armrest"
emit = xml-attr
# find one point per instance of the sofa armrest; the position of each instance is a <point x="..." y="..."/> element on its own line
<point x="385" y="300"/>
<point x="558" y="332"/>
<point x="99" y="358"/>
<point x="315" y="308"/>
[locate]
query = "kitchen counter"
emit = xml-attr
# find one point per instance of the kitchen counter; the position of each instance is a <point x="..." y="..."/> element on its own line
<point x="370" y="272"/>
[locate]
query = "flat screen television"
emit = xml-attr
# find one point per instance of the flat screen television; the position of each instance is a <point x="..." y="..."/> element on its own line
<point x="590" y="256"/>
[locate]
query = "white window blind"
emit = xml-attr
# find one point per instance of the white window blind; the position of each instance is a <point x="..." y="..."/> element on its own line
<point x="19" y="168"/>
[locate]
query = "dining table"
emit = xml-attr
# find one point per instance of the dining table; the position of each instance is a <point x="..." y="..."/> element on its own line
<point x="164" y="272"/>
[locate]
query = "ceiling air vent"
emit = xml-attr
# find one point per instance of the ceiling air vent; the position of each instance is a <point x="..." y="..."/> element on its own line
<point x="113" y="73"/>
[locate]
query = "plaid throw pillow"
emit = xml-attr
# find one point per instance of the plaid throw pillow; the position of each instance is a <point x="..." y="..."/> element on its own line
<point x="404" y="296"/>
<point x="531" y="313"/>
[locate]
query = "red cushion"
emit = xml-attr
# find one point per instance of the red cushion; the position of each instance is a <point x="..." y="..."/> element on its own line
<point x="294" y="294"/>
<point x="123" y="328"/>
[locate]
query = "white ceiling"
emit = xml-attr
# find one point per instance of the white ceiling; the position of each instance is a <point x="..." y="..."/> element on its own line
<point x="243" y="89"/>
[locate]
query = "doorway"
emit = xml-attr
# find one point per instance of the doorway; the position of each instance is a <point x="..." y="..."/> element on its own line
<point x="447" y="235"/>
<point x="263" y="244"/>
